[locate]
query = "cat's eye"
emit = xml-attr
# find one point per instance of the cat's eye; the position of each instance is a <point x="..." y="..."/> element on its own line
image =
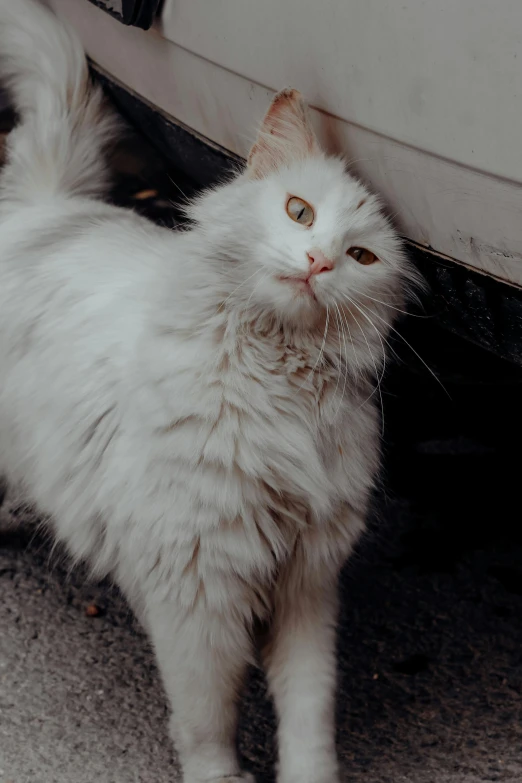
<point x="300" y="211"/>
<point x="362" y="256"/>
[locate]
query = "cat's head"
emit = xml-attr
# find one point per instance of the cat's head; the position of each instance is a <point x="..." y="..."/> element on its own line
<point x="295" y="234"/>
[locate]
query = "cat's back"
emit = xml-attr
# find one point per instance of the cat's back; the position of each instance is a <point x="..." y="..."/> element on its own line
<point x="75" y="272"/>
<point x="77" y="282"/>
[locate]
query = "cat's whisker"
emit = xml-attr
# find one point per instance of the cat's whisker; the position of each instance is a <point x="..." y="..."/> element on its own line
<point x="354" y="303"/>
<point x="242" y="324"/>
<point x="354" y="349"/>
<point x="375" y="388"/>
<point x="347" y="371"/>
<point x="321" y="350"/>
<point x="222" y="306"/>
<point x="388" y="343"/>
<point x="178" y="205"/>
<point x="346" y="359"/>
<point x="336" y="313"/>
<point x="386" y="304"/>
<point x="393" y="329"/>
<point x="178" y="188"/>
<point x="363" y="403"/>
<point x="258" y="282"/>
<point x="377" y="378"/>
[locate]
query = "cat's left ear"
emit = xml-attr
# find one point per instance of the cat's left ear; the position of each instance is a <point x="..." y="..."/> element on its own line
<point x="286" y="135"/>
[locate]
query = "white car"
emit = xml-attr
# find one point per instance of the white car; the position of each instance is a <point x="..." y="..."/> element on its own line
<point x="424" y="98"/>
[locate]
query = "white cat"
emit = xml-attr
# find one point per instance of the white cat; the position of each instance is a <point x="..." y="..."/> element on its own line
<point x="195" y="410"/>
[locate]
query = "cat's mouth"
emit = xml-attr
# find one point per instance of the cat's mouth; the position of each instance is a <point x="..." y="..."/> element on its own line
<point x="300" y="284"/>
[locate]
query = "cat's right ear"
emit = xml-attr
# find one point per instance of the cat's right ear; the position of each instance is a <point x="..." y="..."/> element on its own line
<point x="286" y="135"/>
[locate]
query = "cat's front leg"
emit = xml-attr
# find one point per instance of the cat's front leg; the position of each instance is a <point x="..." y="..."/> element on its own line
<point x="301" y="668"/>
<point x="202" y="655"/>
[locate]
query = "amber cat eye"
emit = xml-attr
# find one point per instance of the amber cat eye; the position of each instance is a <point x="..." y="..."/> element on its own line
<point x="300" y="211"/>
<point x="362" y="256"/>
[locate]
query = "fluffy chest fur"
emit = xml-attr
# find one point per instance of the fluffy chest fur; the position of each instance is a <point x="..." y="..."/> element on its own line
<point x="259" y="444"/>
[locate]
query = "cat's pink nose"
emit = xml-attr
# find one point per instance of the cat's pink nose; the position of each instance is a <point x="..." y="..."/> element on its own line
<point x="319" y="262"/>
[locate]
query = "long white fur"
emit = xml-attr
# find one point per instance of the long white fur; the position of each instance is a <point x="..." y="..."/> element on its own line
<point x="193" y="425"/>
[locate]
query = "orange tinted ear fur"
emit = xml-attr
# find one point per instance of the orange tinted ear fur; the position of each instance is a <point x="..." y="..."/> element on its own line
<point x="286" y="135"/>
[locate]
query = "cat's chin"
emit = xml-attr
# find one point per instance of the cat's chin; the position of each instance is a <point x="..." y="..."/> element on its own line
<point x="290" y="299"/>
<point x="300" y="286"/>
<point x="301" y="310"/>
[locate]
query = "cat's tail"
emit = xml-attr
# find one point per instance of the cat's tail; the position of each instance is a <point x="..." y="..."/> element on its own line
<point x="57" y="148"/>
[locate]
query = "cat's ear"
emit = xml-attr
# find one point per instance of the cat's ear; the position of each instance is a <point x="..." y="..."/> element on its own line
<point x="286" y="135"/>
